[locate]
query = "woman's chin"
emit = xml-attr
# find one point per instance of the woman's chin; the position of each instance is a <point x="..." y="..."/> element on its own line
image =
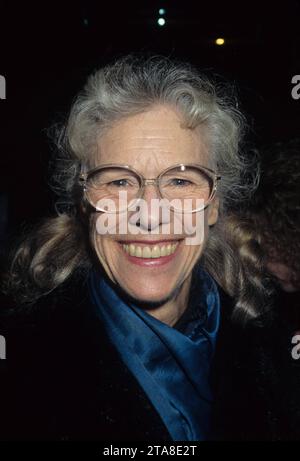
<point x="148" y="295"/>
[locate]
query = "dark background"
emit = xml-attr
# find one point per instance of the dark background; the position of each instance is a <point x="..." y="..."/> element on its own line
<point x="47" y="50"/>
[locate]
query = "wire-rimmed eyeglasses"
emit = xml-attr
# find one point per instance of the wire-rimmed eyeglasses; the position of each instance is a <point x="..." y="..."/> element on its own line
<point x="178" y="184"/>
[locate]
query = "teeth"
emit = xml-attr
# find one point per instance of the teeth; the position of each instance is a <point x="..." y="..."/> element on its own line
<point x="138" y="252"/>
<point x="155" y="252"/>
<point x="131" y="250"/>
<point x="163" y="251"/>
<point x="146" y="252"/>
<point x="150" y="252"/>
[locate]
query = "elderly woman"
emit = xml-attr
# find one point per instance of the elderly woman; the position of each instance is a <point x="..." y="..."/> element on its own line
<point x="122" y="302"/>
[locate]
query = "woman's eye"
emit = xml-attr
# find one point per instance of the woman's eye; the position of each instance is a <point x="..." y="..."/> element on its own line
<point x="119" y="183"/>
<point x="180" y="182"/>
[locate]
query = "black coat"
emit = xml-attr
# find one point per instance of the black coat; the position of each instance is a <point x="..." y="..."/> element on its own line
<point x="62" y="379"/>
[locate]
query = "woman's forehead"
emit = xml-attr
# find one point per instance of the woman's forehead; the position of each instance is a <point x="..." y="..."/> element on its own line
<point x="157" y="134"/>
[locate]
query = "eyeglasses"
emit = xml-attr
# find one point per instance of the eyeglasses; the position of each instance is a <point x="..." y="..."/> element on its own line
<point x="178" y="183"/>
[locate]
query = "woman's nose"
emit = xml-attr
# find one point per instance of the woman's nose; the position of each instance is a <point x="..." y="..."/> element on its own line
<point x="152" y="211"/>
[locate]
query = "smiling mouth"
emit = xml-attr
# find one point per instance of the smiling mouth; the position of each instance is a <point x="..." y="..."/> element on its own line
<point x="152" y="251"/>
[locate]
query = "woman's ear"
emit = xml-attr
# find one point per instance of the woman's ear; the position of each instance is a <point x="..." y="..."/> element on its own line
<point x="213" y="211"/>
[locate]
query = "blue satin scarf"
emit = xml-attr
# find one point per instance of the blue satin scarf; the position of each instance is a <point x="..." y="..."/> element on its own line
<point x="172" y="367"/>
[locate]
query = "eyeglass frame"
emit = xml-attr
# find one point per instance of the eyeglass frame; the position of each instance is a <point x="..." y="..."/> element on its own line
<point x="84" y="176"/>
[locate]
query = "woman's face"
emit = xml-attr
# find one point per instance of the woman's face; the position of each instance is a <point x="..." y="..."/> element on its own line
<point x="151" y="142"/>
